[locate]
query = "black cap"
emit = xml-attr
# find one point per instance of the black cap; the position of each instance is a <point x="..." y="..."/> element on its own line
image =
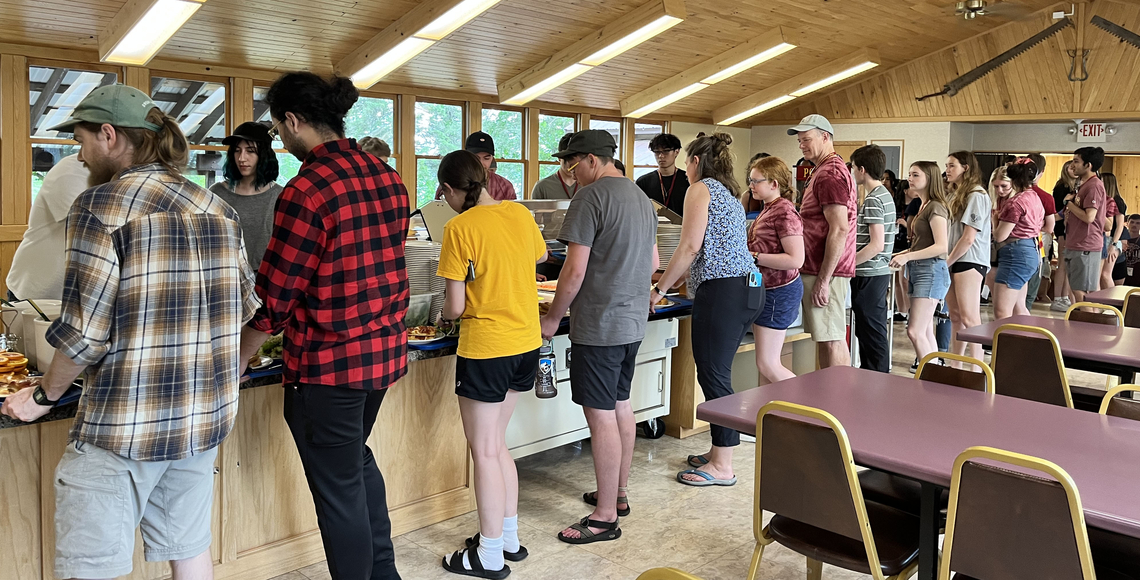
<point x="249" y="131"/>
<point x="480" y="142"/>
<point x="564" y="141"/>
<point x="591" y="141"/>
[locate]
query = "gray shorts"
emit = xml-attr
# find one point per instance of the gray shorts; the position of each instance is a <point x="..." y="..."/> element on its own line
<point x="1083" y="269"/>
<point x="101" y="497"/>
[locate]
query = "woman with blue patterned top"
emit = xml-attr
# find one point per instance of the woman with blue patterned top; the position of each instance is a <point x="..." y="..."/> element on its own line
<point x="724" y="283"/>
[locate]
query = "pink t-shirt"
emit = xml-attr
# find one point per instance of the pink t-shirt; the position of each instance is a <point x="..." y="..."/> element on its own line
<point x="831" y="184"/>
<point x="1088" y="237"/>
<point x="778" y="220"/>
<point x="498" y="186"/>
<point x="1025" y="212"/>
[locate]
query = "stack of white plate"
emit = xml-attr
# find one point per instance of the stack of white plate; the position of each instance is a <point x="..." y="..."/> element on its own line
<point x="422" y="259"/>
<point x="668" y="238"/>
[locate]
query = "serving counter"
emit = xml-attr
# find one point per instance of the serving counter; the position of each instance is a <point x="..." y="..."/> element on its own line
<point x="264" y="523"/>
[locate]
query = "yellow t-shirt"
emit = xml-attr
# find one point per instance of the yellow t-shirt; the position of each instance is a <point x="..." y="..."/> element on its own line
<point x="501" y="314"/>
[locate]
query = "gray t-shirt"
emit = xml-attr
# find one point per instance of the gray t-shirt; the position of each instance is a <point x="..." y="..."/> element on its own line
<point x="977" y="216"/>
<point x="878" y="208"/>
<point x="552" y="187"/>
<point x="256" y="214"/>
<point x="614" y="218"/>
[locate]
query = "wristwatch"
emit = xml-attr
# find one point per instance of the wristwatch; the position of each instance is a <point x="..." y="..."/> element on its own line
<point x="657" y="290"/>
<point x="40" y="397"/>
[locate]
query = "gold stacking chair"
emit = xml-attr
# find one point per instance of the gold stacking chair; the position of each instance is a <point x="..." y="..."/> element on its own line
<point x="967" y="379"/>
<point x="806" y="476"/>
<point x="1027" y="364"/>
<point x="1108" y="315"/>
<point x="1118" y="406"/>
<point x="666" y="574"/>
<point x="1132" y="308"/>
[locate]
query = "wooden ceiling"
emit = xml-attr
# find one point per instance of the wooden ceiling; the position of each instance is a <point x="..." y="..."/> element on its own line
<point x="515" y="34"/>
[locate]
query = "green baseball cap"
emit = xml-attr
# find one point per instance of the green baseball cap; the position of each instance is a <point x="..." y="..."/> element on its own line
<point x="116" y="105"/>
<point x="590" y="141"/>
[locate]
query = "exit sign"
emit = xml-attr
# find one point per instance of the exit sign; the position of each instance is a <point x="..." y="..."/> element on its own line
<point x="1091" y="133"/>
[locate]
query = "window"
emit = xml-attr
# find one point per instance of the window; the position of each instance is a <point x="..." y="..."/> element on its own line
<point x="643" y="159"/>
<point x="439" y="131"/>
<point x="506" y="128"/>
<point x="199" y="106"/>
<point x="551" y="128"/>
<point x="287" y="164"/>
<point x="613" y="126"/>
<point x="373" y="117"/>
<point x="53" y="94"/>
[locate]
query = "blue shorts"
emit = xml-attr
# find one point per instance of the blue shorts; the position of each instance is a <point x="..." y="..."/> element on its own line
<point x="781" y="305"/>
<point x="929" y="278"/>
<point x="1018" y="261"/>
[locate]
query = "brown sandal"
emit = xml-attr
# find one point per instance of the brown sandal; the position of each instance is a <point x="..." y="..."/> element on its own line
<point x="610" y="532"/>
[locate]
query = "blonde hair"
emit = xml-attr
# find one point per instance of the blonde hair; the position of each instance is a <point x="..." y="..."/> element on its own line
<point x="934" y="188"/>
<point x="999" y="174"/>
<point x="777" y="170"/>
<point x="1066" y="179"/>
<point x="715" y="159"/>
<point x="167" y="146"/>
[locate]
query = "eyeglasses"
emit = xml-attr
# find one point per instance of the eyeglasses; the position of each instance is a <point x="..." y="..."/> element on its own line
<point x="274" y="132"/>
<point x="752" y="182"/>
<point x="660" y="152"/>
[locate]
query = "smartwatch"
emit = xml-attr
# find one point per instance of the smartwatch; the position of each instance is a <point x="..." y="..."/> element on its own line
<point x="40" y="397"/>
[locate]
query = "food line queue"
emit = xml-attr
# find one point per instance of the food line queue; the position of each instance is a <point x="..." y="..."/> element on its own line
<point x="150" y="254"/>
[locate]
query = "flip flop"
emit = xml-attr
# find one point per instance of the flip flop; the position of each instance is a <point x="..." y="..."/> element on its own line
<point x="473" y="542"/>
<point x="610" y="532"/>
<point x="697" y="461"/>
<point x="708" y="479"/>
<point x="477" y="570"/>
<point x="591" y="498"/>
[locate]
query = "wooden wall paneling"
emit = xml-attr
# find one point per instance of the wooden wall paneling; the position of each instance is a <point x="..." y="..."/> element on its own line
<point x="20" y="512"/>
<point x="1127" y="171"/>
<point x="628" y="132"/>
<point x="1113" y="65"/>
<point x="531" y="153"/>
<point x="137" y="77"/>
<point x="241" y="102"/>
<point x="474" y="118"/>
<point x="406" y="143"/>
<point x="15" y="151"/>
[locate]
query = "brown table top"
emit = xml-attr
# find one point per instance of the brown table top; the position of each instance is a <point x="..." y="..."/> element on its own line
<point x="1113" y="296"/>
<point x="1079" y="340"/>
<point x="917" y="429"/>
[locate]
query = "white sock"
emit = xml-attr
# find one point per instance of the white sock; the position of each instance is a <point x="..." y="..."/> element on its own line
<point x="511" y="534"/>
<point x="490" y="553"/>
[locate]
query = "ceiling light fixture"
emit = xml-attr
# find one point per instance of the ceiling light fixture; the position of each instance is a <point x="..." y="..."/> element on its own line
<point x="632" y="29"/>
<point x="141" y="29"/>
<point x="755" y="52"/>
<point x="776" y="102"/>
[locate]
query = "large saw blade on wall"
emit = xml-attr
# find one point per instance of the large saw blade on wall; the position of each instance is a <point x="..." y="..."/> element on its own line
<point x="1117" y="30"/>
<point x="951" y="88"/>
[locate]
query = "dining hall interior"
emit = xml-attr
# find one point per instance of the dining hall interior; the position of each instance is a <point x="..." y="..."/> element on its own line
<point x="931" y="461"/>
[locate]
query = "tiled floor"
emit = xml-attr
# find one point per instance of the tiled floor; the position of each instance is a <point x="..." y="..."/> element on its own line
<point x="705" y="531"/>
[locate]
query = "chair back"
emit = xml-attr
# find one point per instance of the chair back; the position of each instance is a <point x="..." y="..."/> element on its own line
<point x="1118" y="406"/>
<point x="1028" y="365"/>
<point x="967" y="379"/>
<point x="1132" y="308"/>
<point x="1107" y="315"/>
<point x="1006" y="523"/>
<point x="666" y="574"/>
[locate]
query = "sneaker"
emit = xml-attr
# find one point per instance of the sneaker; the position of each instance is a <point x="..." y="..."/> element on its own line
<point x="1061" y="304"/>
<point x="914" y="367"/>
<point x="900" y="317"/>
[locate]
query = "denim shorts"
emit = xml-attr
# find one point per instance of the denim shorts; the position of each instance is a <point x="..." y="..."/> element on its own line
<point x="929" y="278"/>
<point x="1018" y="261"/>
<point x="781" y="305"/>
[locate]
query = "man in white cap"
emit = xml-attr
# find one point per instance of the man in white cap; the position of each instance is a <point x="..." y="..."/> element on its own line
<point x="829" y="211"/>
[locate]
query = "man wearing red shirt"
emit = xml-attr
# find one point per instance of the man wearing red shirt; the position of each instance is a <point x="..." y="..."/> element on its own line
<point x="1045" y="240"/>
<point x="1084" y="221"/>
<point x="829" y="213"/>
<point x="334" y="280"/>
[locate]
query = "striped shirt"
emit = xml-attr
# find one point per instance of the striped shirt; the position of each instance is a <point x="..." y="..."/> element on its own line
<point x="877" y="208"/>
<point x="156" y="291"/>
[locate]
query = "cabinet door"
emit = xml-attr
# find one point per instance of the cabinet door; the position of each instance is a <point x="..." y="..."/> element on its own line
<point x="537" y="419"/>
<point x="648" y="391"/>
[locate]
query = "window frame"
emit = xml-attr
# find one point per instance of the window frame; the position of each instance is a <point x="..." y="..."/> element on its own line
<point x="621" y="134"/>
<point x="522" y="160"/>
<point x="551" y="113"/>
<point x="464" y="131"/>
<point x="228" y="104"/>
<point x="633" y="167"/>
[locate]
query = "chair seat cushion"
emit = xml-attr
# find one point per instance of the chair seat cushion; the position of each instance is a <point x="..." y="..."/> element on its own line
<point x="897" y="492"/>
<point x="895" y="532"/>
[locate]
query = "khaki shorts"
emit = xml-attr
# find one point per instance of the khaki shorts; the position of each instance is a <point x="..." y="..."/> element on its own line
<point x="101" y="497"/>
<point x="829" y="323"/>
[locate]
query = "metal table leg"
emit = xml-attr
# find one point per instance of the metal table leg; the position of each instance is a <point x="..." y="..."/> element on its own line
<point x="929" y="522"/>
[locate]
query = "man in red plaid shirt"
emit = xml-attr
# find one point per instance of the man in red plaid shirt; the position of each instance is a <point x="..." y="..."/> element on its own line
<point x="334" y="280"/>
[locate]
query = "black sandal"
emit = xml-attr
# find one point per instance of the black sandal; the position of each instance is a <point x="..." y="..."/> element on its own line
<point x="610" y="532"/>
<point x="473" y="542"/>
<point x="591" y="498"/>
<point x="477" y="570"/>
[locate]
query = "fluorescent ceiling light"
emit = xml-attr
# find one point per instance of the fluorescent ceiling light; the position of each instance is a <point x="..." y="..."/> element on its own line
<point x="390" y="61"/>
<point x="548" y="84"/>
<point x="746" y="64"/>
<point x="451" y="20"/>
<point x="831" y="80"/>
<point x="150" y="32"/>
<point x="666" y="100"/>
<point x="757" y="110"/>
<point x="631" y="40"/>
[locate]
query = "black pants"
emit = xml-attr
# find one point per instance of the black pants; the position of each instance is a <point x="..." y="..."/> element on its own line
<point x="869" y="302"/>
<point x="330" y="426"/>
<point x="723" y="311"/>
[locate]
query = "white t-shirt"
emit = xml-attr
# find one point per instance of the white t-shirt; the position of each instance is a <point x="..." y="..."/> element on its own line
<point x="38" y="265"/>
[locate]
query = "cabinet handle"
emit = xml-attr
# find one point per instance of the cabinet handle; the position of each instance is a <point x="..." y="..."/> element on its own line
<point x="660" y="381"/>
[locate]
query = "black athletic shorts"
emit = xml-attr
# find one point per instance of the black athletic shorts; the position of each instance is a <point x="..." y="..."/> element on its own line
<point x="959" y="267"/>
<point x="487" y="380"/>
<point x="600" y="376"/>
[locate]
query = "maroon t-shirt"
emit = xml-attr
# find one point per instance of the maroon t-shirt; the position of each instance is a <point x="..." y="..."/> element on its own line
<point x="1082" y="236"/>
<point x="1024" y="211"/>
<point x="1047" y="201"/>
<point x="831" y="184"/>
<point x="778" y="220"/>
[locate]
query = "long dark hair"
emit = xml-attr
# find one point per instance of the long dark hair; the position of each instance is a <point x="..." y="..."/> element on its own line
<point x="715" y="159"/>
<point x="463" y="171"/>
<point x="316" y="100"/>
<point x="1021" y="174"/>
<point x="266" y="170"/>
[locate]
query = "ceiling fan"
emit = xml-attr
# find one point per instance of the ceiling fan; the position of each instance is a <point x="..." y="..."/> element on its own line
<point x="970" y="9"/>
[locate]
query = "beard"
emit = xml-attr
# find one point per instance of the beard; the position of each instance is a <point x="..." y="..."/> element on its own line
<point x="294" y="146"/>
<point x="102" y="171"/>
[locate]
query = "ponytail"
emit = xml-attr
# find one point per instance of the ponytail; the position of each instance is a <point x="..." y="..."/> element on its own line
<point x="167" y="146"/>
<point x="715" y="159"/>
<point x="463" y="171"/>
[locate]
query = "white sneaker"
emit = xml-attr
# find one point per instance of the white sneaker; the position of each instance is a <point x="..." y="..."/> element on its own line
<point x="1061" y="304"/>
<point x="747" y="438"/>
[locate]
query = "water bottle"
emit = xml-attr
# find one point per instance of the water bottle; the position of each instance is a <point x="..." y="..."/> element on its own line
<point x="544" y="380"/>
